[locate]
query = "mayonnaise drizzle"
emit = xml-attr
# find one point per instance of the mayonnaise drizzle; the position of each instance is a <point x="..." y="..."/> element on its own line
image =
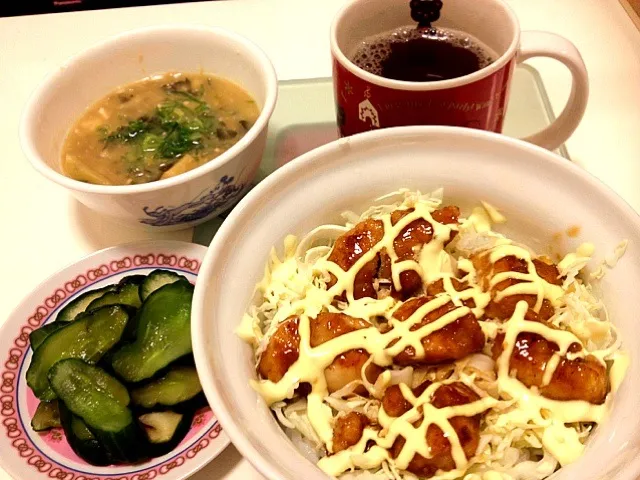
<point x="415" y="437"/>
<point x="432" y="263"/>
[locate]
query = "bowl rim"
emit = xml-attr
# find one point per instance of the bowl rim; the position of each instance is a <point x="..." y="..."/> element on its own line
<point x="226" y="232"/>
<point x="28" y="133"/>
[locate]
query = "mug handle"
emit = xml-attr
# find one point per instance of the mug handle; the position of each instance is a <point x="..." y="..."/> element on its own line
<point x="545" y="44"/>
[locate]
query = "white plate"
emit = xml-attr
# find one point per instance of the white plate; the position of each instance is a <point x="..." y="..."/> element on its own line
<point x="33" y="455"/>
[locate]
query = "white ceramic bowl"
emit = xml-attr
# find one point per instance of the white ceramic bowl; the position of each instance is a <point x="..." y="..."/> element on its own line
<point x="539" y="192"/>
<point x="181" y="201"/>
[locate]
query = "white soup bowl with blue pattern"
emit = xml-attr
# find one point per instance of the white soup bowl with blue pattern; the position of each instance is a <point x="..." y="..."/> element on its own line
<point x="173" y="203"/>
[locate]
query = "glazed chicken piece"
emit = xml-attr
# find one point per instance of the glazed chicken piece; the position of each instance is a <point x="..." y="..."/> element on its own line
<point x="467" y="428"/>
<point x="328" y="326"/>
<point x="452" y="342"/>
<point x="409" y="242"/>
<point x="347" y="430"/>
<point x="282" y="351"/>
<point x="419" y="232"/>
<point x="580" y="379"/>
<point x="352" y="245"/>
<point x="394" y="403"/>
<point x="437" y="287"/>
<point x="347" y="366"/>
<point x="505" y="307"/>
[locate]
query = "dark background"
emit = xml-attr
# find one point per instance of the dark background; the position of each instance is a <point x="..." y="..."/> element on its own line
<point x="10" y="8"/>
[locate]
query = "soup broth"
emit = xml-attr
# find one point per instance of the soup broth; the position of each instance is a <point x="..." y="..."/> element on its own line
<point x="157" y="128"/>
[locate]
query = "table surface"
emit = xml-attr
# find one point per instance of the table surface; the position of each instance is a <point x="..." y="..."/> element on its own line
<point x="45" y="229"/>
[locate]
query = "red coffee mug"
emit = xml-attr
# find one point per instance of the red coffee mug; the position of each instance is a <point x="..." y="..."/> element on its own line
<point x="365" y="101"/>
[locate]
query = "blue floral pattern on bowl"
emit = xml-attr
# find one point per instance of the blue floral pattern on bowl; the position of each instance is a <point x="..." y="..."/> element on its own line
<point x="203" y="205"/>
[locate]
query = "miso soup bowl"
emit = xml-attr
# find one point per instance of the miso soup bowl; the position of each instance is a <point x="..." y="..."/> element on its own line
<point x="186" y="199"/>
<point x="542" y="196"/>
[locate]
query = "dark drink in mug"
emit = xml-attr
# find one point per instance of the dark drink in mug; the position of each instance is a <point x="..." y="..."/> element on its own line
<point x="422" y="54"/>
<point x="458" y="72"/>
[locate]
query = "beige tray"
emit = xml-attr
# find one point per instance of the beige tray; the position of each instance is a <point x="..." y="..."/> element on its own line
<point x="304" y="118"/>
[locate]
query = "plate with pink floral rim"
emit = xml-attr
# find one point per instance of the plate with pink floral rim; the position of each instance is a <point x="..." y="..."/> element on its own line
<point x="33" y="455"/>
